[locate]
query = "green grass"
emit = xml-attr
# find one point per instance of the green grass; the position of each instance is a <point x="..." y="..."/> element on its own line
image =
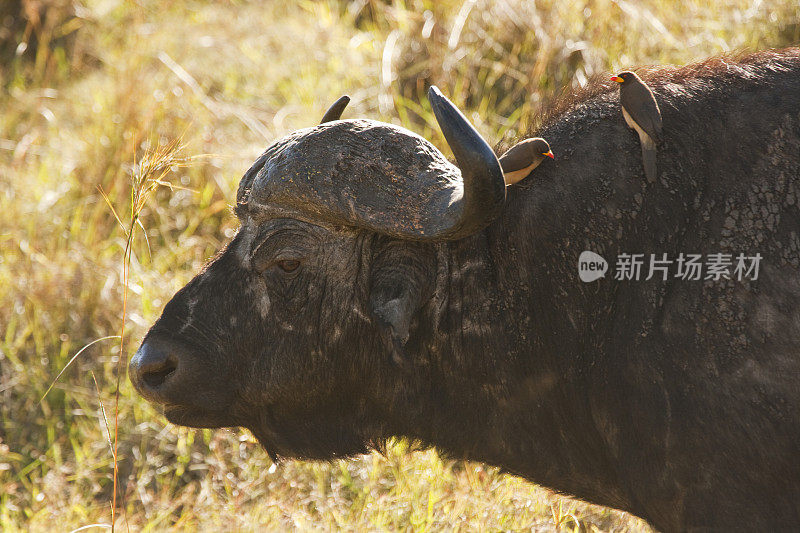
<point x="111" y="81"/>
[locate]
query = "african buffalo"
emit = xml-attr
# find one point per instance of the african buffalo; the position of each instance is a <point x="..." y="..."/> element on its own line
<point x="374" y="289"/>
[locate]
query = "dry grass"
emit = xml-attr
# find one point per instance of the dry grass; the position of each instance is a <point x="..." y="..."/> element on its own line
<point x="109" y="83"/>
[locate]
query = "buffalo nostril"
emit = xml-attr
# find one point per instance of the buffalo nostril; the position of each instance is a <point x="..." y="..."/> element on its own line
<point x="152" y="365"/>
<point x="155" y="376"/>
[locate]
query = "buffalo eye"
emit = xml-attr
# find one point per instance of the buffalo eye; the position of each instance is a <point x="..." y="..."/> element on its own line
<point x="288" y="265"/>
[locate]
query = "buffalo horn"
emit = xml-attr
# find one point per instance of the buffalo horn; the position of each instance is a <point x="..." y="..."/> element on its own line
<point x="334" y="112"/>
<point x="484" y="190"/>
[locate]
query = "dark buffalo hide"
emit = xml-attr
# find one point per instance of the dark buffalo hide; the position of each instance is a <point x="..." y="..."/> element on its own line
<point x="676" y="400"/>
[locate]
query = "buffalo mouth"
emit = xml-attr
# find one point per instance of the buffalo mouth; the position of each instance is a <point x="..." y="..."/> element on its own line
<point x="184" y="380"/>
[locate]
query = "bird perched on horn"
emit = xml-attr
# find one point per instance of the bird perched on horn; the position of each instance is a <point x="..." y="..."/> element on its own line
<point x="518" y="162"/>
<point x="641" y="112"/>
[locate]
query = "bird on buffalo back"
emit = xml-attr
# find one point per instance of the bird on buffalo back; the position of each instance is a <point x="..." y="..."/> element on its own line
<point x="641" y="112"/>
<point x="518" y="162"/>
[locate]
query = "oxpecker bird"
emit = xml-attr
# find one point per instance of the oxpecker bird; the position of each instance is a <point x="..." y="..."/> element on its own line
<point x="523" y="157"/>
<point x="640" y="109"/>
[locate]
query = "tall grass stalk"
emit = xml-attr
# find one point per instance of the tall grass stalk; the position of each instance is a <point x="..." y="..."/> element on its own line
<point x="148" y="174"/>
<point x="72" y="360"/>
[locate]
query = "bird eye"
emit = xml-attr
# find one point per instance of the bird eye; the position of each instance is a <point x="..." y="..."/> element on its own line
<point x="288" y="265"/>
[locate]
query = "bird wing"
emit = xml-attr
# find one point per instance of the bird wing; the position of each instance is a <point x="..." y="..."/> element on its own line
<point x="517" y="157"/>
<point x="643" y="109"/>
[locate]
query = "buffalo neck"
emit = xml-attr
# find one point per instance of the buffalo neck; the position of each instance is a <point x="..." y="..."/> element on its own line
<point x="494" y="378"/>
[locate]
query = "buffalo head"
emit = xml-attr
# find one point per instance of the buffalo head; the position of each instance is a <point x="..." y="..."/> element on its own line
<point x="298" y="329"/>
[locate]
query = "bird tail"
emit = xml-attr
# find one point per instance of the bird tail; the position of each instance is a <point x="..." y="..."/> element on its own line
<point x="649" y="159"/>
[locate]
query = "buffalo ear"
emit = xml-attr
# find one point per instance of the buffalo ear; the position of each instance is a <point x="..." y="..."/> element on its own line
<point x="401" y="282"/>
<point x="394" y="318"/>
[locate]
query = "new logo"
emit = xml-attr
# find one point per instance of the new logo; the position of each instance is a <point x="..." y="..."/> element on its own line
<point x="591" y="266"/>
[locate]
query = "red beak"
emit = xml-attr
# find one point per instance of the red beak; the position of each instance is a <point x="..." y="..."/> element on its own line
<point x="549" y="154"/>
<point x="617" y="79"/>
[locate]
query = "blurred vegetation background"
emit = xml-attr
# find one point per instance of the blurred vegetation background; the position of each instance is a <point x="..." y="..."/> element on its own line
<point x="95" y="92"/>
